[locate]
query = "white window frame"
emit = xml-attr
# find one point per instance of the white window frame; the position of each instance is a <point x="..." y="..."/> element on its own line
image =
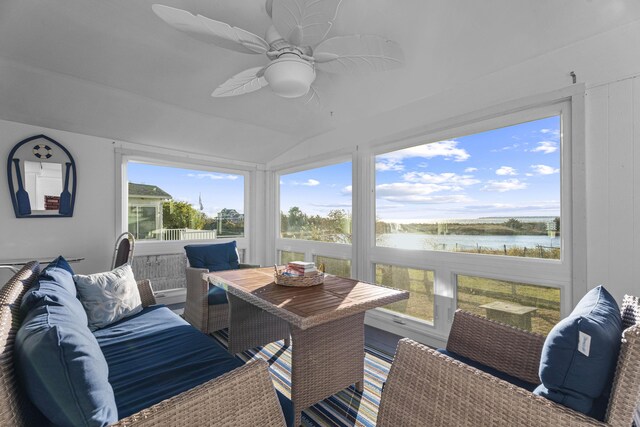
<point x="565" y="274"/>
<point x="245" y="243"/>
<point x="312" y="248"/>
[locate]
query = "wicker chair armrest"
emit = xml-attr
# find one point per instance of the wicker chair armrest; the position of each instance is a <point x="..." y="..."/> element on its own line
<point x="146" y="293"/>
<point x="503" y="347"/>
<point x="196" y="308"/>
<point x="241" y="265"/>
<point x="424" y="384"/>
<point x="242" y="397"/>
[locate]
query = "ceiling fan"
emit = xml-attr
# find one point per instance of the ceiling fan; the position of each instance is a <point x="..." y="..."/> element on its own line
<point x="295" y="46"/>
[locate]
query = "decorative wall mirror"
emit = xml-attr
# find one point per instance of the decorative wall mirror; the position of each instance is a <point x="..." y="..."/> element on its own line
<point x="42" y="178"/>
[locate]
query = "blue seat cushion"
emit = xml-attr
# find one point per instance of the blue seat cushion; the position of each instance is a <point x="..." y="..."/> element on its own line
<point x="213" y="257"/>
<point x="154" y="355"/>
<point x="217" y="295"/>
<point x="580" y="353"/>
<point x="489" y="370"/>
<point x="60" y="366"/>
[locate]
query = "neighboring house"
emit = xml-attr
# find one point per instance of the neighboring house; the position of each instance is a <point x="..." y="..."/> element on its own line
<point x="145" y="209"/>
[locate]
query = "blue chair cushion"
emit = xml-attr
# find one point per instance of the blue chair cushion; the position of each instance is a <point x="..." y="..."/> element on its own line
<point x="213" y="257"/>
<point x="580" y="353"/>
<point x="61" y="368"/>
<point x="217" y="295"/>
<point x="489" y="370"/>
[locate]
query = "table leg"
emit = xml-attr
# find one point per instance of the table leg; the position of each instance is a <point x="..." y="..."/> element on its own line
<point x="250" y="326"/>
<point x="326" y="359"/>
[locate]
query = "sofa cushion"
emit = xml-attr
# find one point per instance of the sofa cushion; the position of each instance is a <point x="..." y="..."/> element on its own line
<point x="489" y="370"/>
<point x="213" y="257"/>
<point x="61" y="368"/>
<point x="108" y="297"/>
<point x="55" y="286"/>
<point x="60" y="262"/>
<point x="155" y="354"/>
<point x="580" y="353"/>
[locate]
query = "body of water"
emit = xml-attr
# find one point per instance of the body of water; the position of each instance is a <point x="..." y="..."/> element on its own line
<point x="448" y="242"/>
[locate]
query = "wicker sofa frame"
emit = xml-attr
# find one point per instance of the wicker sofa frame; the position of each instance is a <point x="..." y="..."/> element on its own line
<point x="244" y="396"/>
<point x="425" y="387"/>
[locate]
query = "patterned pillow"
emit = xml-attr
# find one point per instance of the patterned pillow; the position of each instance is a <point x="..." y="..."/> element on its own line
<point x="108" y="297"/>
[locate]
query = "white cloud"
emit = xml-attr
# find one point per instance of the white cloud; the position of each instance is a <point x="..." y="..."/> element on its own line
<point x="442" y="178"/>
<point x="347" y="190"/>
<point x="506" y="170"/>
<point x="469" y="170"/>
<point x="506" y="148"/>
<point x="407" y="192"/>
<point x="502" y="186"/>
<point x="447" y="149"/>
<point x="544" y="170"/>
<point x="389" y="165"/>
<point x="417" y="194"/>
<point x="546" y="147"/>
<point x="307" y="183"/>
<point x="213" y="176"/>
<point x="554" y="133"/>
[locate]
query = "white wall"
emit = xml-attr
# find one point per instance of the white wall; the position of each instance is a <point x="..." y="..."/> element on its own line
<point x="613" y="186"/>
<point x="90" y="232"/>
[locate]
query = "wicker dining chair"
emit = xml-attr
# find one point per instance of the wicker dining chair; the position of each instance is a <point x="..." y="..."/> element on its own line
<point x="123" y="252"/>
<point x="197" y="311"/>
<point x="426" y="387"/>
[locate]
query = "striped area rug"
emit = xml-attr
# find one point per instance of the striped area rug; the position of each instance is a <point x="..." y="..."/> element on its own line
<point x="348" y="407"/>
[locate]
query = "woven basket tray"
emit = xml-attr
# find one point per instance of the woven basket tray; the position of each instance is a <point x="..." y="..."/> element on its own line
<point x="310" y="279"/>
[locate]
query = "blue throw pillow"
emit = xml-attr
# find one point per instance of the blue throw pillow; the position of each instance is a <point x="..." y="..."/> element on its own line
<point x="55" y="285"/>
<point x="580" y="353"/>
<point x="214" y="257"/>
<point x="62" y="369"/>
<point x="59" y="262"/>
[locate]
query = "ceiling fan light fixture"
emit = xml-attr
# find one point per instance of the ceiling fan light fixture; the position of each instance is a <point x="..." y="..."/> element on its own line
<point x="290" y="76"/>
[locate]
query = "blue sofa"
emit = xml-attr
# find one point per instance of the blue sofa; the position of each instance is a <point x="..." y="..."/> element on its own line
<point x="161" y="370"/>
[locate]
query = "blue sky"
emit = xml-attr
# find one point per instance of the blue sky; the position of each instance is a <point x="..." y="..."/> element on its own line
<point x="511" y="171"/>
<point x="219" y="190"/>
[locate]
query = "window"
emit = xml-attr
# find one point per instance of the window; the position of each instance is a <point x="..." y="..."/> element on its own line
<point x="171" y="203"/>
<point x="315" y="204"/>
<point x="530" y="307"/>
<point x="287" y="256"/>
<point x="418" y="282"/>
<point x="335" y="266"/>
<point x="495" y="192"/>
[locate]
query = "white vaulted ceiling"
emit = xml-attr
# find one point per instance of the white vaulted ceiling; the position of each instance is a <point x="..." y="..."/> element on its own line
<point x="112" y="68"/>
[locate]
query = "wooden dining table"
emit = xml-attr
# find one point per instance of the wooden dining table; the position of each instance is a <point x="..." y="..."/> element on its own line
<point x="325" y="322"/>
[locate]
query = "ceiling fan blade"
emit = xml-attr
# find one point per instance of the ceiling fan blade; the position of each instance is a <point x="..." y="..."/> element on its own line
<point x="268" y="6"/>
<point x="304" y="22"/>
<point x="210" y="31"/>
<point x="358" y="53"/>
<point x="244" y="82"/>
<point x="312" y="98"/>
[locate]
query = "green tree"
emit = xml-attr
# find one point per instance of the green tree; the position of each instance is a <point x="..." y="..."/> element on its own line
<point x="182" y="215"/>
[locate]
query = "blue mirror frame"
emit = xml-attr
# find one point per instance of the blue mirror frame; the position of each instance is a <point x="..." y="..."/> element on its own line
<point x="42" y="153"/>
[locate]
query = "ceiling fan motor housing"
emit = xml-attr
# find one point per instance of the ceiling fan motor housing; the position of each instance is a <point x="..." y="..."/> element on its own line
<point x="290" y="76"/>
